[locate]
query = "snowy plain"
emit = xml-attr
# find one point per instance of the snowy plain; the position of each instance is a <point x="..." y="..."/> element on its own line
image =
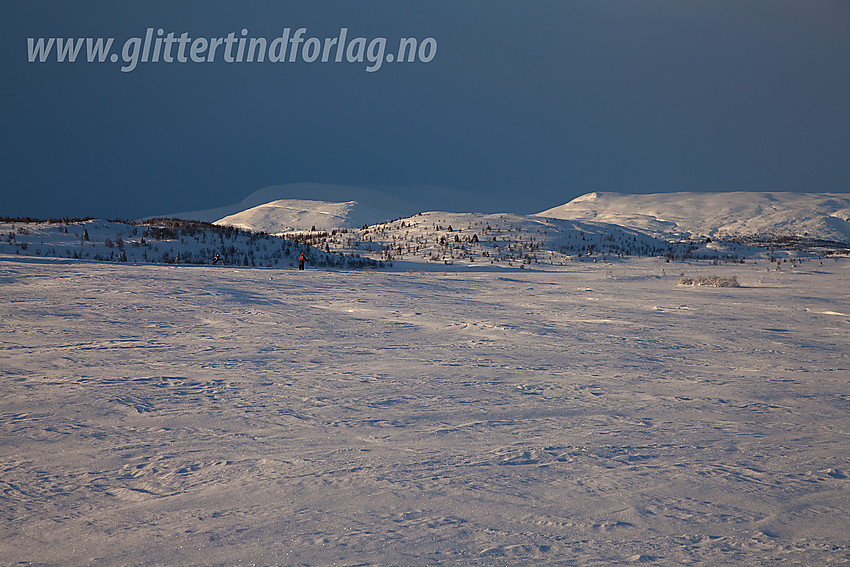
<point x="585" y="414"/>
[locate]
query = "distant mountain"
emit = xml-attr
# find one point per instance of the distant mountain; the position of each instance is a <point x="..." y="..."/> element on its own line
<point x="371" y="205"/>
<point x="285" y="215"/>
<point x="724" y="214"/>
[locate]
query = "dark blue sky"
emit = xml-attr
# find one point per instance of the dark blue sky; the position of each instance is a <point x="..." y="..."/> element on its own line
<point x="528" y="104"/>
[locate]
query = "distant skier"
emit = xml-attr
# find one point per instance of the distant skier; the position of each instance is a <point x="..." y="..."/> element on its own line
<point x="301" y="260"/>
<point x="216" y="259"/>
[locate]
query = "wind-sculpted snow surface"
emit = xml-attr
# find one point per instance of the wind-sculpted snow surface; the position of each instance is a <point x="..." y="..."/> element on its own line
<point x="585" y="415"/>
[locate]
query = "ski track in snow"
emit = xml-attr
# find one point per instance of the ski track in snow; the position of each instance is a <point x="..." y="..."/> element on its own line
<point x="592" y="415"/>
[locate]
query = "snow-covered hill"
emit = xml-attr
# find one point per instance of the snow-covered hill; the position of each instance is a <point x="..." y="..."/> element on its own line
<point x="285" y="215"/>
<point x="742" y="214"/>
<point x="372" y="204"/>
<point x="507" y="240"/>
<point x="305" y="192"/>
<point x="163" y="241"/>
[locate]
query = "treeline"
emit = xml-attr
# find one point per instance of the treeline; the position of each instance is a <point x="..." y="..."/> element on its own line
<point x="64" y="220"/>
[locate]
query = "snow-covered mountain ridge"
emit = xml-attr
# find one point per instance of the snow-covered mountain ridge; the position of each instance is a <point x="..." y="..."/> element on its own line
<point x="747" y="217"/>
<point x="744" y="215"/>
<point x="593" y="227"/>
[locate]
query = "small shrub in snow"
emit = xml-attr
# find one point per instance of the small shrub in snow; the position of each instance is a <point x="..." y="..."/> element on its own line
<point x="714" y="281"/>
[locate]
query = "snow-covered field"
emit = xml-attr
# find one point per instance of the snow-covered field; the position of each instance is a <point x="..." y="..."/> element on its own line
<point x="588" y="414"/>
